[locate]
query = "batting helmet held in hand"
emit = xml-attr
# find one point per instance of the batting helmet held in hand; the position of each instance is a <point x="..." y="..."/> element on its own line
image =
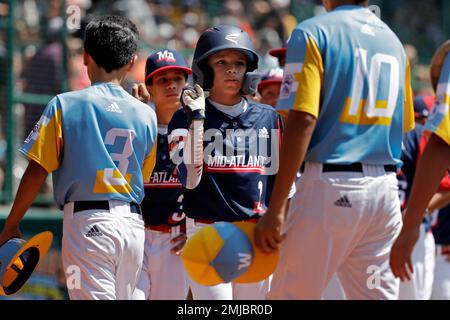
<point x="19" y="258"/>
<point x="217" y="253"/>
<point x="263" y="264"/>
<point x="224" y="37"/>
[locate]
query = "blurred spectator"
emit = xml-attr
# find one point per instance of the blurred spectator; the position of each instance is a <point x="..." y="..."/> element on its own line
<point x="422" y="108"/>
<point x="43" y="73"/>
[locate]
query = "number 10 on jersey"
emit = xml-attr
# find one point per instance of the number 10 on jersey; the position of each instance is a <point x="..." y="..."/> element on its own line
<point x="383" y="78"/>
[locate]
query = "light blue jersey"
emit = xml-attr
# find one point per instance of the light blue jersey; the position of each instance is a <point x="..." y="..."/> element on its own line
<point x="98" y="142"/>
<point x="439" y="121"/>
<point x="350" y="71"/>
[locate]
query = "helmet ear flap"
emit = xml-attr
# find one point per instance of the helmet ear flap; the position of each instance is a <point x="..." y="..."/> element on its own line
<point x="250" y="84"/>
<point x="203" y="74"/>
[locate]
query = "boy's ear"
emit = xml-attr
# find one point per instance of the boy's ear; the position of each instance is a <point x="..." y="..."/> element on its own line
<point x="132" y="62"/>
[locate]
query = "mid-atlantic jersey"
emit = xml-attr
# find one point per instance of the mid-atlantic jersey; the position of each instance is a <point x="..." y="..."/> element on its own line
<point x="441" y="228"/>
<point x="240" y="162"/>
<point x="162" y="204"/>
<point x="99" y="143"/>
<point x="439" y="121"/>
<point x="350" y="71"/>
<point x="412" y="147"/>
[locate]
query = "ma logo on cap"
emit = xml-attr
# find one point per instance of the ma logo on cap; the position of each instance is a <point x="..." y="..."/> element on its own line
<point x="165" y="56"/>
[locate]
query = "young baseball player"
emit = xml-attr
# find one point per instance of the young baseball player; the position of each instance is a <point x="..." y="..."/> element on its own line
<point x="100" y="145"/>
<point x="280" y="54"/>
<point x="421" y="283"/>
<point x="441" y="233"/>
<point x="226" y="146"/>
<point x="269" y="89"/>
<point x="269" y="86"/>
<point x="433" y="163"/>
<point x="350" y="102"/>
<point x="163" y="275"/>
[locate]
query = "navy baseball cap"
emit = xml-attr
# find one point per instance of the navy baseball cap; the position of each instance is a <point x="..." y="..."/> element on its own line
<point x="279" y="52"/>
<point x="423" y="105"/>
<point x="164" y="60"/>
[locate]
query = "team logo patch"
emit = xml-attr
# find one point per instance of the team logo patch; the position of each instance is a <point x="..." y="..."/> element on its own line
<point x="34" y="133"/>
<point x="94" y="232"/>
<point x="113" y="107"/>
<point x="286" y="86"/>
<point x="165" y="56"/>
<point x="233" y="37"/>
<point x="263" y="133"/>
<point x="343" y="202"/>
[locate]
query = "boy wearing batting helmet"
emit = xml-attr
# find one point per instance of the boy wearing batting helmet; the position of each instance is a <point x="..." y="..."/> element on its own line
<point x="163" y="276"/>
<point x="433" y="163"/>
<point x="100" y="145"/>
<point x="350" y="102"/>
<point x="225" y="146"/>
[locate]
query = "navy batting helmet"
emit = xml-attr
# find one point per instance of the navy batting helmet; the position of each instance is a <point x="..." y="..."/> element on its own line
<point x="220" y="38"/>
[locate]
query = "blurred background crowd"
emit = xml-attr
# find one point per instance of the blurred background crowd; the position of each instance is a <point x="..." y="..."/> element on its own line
<point x="46" y="51"/>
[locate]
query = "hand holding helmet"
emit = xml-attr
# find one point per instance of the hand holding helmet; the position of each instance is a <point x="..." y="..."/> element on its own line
<point x="193" y="102"/>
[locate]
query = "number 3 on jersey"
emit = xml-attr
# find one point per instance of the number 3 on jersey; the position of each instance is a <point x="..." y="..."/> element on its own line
<point x="111" y="180"/>
<point x="383" y="80"/>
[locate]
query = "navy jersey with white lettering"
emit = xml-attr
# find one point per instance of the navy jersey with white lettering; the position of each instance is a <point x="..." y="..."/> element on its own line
<point x="162" y="204"/>
<point x="240" y="162"/>
<point x="441" y="228"/>
<point x="412" y="147"/>
<point x="411" y="150"/>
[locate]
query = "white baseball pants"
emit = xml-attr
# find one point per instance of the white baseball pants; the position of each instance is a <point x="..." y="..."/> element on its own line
<point x="441" y="284"/>
<point x="418" y="288"/>
<point x="163" y="276"/>
<point x="334" y="290"/>
<point x="225" y="291"/>
<point x="421" y="284"/>
<point x="344" y="222"/>
<point x="102" y="251"/>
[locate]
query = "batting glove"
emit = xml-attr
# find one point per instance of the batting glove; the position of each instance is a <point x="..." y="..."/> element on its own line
<point x="193" y="102"/>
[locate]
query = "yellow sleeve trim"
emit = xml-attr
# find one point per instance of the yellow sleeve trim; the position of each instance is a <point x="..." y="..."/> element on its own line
<point x="47" y="149"/>
<point x="309" y="80"/>
<point x="408" y="114"/>
<point x="149" y="163"/>
<point x="443" y="131"/>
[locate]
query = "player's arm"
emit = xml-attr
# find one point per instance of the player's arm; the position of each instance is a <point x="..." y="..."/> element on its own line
<point x="299" y="129"/>
<point x="302" y="80"/>
<point x="186" y="151"/>
<point x="43" y="147"/>
<point x="30" y="185"/>
<point x="440" y="199"/>
<point x="293" y="189"/>
<point x="432" y="165"/>
<point x="140" y="92"/>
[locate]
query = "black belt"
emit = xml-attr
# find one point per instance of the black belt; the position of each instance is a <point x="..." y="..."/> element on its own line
<point x="101" y="205"/>
<point x="354" y="167"/>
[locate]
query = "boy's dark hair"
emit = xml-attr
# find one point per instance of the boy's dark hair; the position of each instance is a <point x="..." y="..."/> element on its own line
<point x="111" y="41"/>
